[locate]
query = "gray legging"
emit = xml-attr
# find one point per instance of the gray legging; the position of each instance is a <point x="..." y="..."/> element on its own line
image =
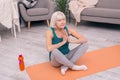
<point x="58" y="59"/>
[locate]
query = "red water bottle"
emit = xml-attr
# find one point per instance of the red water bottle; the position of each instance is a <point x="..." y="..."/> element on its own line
<point x="21" y="62"/>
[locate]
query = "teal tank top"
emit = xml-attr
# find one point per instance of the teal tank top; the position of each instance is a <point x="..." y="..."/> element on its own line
<point x="64" y="49"/>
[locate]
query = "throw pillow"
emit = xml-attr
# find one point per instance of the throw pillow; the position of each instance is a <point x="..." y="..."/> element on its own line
<point x="28" y="3"/>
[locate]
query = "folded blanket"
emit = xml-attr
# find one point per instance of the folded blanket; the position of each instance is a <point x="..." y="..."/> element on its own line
<point x="77" y="6"/>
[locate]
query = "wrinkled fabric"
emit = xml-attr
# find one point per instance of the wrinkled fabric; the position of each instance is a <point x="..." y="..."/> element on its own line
<point x="8" y="13"/>
<point x="77" y="6"/>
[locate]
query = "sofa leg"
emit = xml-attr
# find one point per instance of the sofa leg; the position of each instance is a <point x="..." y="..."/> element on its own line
<point x="28" y="24"/>
<point x="48" y="23"/>
<point x="75" y="23"/>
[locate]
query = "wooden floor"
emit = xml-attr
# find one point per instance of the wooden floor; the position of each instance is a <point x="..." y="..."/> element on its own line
<point x="31" y="43"/>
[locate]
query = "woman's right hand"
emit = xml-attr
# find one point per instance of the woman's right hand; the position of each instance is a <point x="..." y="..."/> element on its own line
<point x="64" y="36"/>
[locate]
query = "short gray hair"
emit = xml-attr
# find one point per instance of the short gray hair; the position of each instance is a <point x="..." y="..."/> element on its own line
<point x="54" y="17"/>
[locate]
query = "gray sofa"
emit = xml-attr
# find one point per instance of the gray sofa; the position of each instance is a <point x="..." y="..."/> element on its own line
<point x="41" y="11"/>
<point x="106" y="11"/>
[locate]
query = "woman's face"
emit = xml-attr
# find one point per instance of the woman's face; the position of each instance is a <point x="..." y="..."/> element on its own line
<point x="60" y="22"/>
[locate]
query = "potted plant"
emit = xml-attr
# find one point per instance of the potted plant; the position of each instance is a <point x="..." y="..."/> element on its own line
<point x="62" y="5"/>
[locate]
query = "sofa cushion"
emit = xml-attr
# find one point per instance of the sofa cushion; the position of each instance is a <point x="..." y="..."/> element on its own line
<point x="113" y="4"/>
<point x="37" y="11"/>
<point x="101" y="12"/>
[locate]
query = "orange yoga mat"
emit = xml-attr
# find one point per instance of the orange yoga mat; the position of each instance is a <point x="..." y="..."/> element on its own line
<point x="96" y="61"/>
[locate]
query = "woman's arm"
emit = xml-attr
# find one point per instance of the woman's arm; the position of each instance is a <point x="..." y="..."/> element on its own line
<point x="79" y="38"/>
<point x="49" y="44"/>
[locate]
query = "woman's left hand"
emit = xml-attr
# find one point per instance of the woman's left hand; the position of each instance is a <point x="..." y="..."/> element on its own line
<point x="70" y="40"/>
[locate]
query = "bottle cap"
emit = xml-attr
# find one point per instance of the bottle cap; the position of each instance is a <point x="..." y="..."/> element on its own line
<point x="20" y="55"/>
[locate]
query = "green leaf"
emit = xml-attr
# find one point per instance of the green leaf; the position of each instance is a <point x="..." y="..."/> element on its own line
<point x="62" y="5"/>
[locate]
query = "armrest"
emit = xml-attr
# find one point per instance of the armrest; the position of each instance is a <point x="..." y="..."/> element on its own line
<point x="51" y="7"/>
<point x="23" y="12"/>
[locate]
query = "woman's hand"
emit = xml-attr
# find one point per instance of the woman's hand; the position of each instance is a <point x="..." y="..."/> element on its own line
<point x="64" y="36"/>
<point x="70" y="40"/>
<point x="49" y="44"/>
